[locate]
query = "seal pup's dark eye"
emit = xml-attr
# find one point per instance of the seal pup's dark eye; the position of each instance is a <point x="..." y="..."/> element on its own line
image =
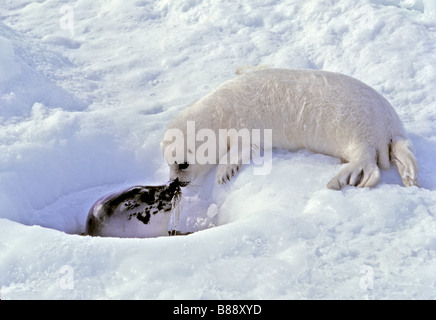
<point x="183" y="165"/>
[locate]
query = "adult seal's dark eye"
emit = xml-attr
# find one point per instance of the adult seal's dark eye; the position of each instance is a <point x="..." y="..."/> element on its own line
<point x="183" y="165"/>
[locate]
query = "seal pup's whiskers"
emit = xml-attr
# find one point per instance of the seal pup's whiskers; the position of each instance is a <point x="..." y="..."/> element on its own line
<point x="193" y="187"/>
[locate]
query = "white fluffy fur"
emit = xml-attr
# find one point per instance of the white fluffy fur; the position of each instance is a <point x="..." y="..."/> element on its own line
<point x="321" y="111"/>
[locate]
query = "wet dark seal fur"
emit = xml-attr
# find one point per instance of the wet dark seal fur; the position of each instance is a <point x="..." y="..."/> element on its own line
<point x="139" y="211"/>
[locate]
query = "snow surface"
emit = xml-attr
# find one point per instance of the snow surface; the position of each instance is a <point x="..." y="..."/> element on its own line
<point x="85" y="92"/>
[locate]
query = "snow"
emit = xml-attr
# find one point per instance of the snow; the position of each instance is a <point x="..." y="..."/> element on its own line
<point x="86" y="90"/>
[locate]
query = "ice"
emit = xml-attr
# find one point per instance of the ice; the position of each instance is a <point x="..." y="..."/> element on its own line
<point x="9" y="68"/>
<point x="86" y="89"/>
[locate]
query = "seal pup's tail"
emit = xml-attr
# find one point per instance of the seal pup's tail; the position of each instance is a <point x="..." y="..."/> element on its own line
<point x="403" y="157"/>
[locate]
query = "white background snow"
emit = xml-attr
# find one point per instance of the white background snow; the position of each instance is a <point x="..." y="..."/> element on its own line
<point x="86" y="89"/>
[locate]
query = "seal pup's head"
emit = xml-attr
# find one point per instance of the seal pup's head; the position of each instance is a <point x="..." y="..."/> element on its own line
<point x="185" y="168"/>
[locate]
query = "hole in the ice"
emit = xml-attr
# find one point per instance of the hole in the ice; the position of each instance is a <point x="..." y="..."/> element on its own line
<point x="69" y="213"/>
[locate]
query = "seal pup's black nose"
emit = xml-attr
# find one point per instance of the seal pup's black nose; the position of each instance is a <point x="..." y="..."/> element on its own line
<point x="177" y="183"/>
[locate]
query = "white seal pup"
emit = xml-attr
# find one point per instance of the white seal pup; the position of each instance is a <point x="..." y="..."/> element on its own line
<point x="136" y="212"/>
<point x="324" y="112"/>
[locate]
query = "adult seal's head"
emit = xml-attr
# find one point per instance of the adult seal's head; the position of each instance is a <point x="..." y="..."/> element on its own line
<point x="136" y="212"/>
